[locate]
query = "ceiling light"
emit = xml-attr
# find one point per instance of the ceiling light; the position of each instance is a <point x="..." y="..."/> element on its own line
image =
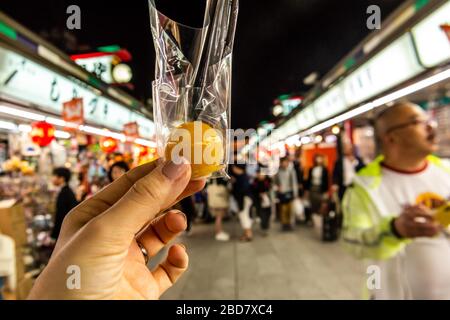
<point x="16" y="112"/>
<point x="318" y="139"/>
<point x="336" y="130"/>
<point x="7" y="125"/>
<point x="62" y="134"/>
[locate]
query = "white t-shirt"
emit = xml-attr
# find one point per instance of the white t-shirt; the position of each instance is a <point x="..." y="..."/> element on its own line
<point x="426" y="260"/>
<point x="349" y="171"/>
<point x="317" y="176"/>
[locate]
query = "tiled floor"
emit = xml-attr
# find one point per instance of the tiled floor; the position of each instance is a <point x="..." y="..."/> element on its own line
<point x="281" y="266"/>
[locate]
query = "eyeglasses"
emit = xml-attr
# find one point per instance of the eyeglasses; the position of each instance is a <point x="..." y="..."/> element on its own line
<point x="425" y="122"/>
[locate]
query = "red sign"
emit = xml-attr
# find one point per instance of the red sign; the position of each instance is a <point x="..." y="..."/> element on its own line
<point x="131" y="130"/>
<point x="446" y="29"/>
<point x="73" y="111"/>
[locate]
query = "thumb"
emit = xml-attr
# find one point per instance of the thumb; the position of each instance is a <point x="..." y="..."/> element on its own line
<point x="145" y="199"/>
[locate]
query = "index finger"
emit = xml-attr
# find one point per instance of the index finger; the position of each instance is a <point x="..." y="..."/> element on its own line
<point x="418" y="212"/>
<point x="102" y="201"/>
<point x="109" y="195"/>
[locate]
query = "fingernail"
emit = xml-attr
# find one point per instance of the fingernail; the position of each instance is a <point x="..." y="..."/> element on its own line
<point x="181" y="214"/>
<point x="174" y="170"/>
<point x="183" y="246"/>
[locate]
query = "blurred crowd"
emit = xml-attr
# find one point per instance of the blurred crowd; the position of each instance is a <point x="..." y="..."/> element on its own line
<point x="294" y="196"/>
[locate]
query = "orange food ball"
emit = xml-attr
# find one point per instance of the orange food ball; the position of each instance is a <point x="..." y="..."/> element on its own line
<point x="200" y="144"/>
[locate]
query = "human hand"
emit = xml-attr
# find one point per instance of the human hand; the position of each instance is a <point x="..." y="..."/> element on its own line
<point x="101" y="236"/>
<point x="416" y="221"/>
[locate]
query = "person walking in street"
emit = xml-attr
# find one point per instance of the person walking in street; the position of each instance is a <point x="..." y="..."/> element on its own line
<point x="287" y="190"/>
<point x="345" y="169"/>
<point x="218" y="202"/>
<point x="188" y="208"/>
<point x="242" y="194"/>
<point x="388" y="211"/>
<point x="261" y="188"/>
<point x="299" y="171"/>
<point x="65" y="200"/>
<point x="317" y="183"/>
<point x="298" y="166"/>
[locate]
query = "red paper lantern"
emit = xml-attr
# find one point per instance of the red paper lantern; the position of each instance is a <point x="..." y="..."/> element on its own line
<point x="108" y="145"/>
<point x="143" y="151"/>
<point x="42" y="133"/>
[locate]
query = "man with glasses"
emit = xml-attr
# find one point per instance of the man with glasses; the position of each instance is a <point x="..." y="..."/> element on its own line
<point x="388" y="211"/>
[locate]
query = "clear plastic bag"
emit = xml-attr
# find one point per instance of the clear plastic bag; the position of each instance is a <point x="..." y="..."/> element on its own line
<point x="192" y="90"/>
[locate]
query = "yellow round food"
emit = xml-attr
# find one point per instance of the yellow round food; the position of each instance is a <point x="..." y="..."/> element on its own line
<point x="442" y="215"/>
<point x="200" y="144"/>
<point x="430" y="200"/>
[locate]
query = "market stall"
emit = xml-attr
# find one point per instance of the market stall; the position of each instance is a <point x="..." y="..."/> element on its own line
<point x="53" y="113"/>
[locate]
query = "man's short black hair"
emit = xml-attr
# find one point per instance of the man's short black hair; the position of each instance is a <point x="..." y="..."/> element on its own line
<point x="62" y="172"/>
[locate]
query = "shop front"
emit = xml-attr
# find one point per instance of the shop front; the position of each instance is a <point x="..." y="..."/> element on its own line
<point x="55" y="114"/>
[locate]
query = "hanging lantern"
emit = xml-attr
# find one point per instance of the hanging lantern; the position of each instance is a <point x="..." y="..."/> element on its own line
<point x="42" y="133"/>
<point x="108" y="145"/>
<point x="143" y="151"/>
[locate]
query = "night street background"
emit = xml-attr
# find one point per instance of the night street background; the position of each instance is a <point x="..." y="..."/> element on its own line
<point x="278" y="43"/>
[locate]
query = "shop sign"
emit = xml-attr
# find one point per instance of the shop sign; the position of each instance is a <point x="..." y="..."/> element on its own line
<point x="290" y="104"/>
<point x="100" y="66"/>
<point x="433" y="45"/>
<point x="25" y="80"/>
<point x="73" y="111"/>
<point x="392" y="66"/>
<point x="131" y="130"/>
<point x="290" y="128"/>
<point x="329" y="104"/>
<point x="309" y="118"/>
<point x="446" y="29"/>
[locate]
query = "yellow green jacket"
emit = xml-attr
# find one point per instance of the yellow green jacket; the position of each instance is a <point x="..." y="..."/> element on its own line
<point x="366" y="233"/>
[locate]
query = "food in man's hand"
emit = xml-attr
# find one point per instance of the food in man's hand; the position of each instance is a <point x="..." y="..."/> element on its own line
<point x="442" y="215"/>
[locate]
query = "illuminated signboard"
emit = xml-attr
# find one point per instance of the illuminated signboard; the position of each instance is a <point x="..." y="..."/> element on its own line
<point x="432" y="43"/>
<point x="329" y="104"/>
<point x="100" y="66"/>
<point x="28" y="81"/>
<point x="390" y="67"/>
<point x="291" y="127"/>
<point x="309" y="118"/>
